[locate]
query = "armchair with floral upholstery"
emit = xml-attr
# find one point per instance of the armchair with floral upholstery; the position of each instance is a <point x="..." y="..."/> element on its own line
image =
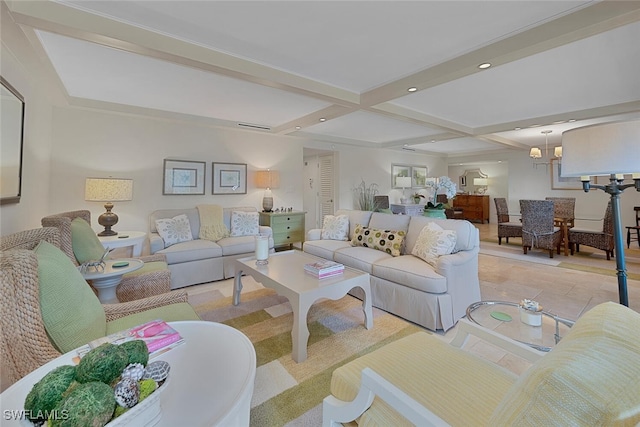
<point x="154" y="278"/>
<point x="46" y="307"/>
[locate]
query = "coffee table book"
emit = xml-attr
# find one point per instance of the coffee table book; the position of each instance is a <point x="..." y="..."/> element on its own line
<point x="157" y="335"/>
<point x="324" y="268"/>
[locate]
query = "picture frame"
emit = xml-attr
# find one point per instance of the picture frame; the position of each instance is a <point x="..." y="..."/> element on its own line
<point x="417" y="173"/>
<point x="183" y="177"/>
<point x="229" y="178"/>
<point x="12" y="113"/>
<point x="399" y="171"/>
<point x="561" y="183"/>
<point x="419" y="176"/>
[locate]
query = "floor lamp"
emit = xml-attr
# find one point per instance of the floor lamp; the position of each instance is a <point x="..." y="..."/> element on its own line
<point x="609" y="149"/>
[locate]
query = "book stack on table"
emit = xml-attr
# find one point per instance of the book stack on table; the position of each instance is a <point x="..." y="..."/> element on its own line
<point x="322" y="269"/>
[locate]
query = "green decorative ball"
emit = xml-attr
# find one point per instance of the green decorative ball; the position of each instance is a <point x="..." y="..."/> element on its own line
<point x="48" y="392"/>
<point x="104" y="363"/>
<point x="137" y="352"/>
<point x="89" y="404"/>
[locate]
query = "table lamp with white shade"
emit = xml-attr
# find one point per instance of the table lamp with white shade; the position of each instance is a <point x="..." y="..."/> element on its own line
<point x="108" y="190"/>
<point x="404" y="182"/>
<point x="267" y="179"/>
<point x="606" y="149"/>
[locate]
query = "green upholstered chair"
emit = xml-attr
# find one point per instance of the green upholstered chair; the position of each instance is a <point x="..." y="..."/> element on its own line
<point x="46" y="307"/>
<point x="81" y="244"/>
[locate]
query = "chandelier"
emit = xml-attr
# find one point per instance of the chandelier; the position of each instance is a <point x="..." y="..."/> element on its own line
<point x="536" y="153"/>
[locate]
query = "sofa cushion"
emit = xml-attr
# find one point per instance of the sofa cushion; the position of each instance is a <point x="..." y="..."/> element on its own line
<point x="192" y="214"/>
<point x="237" y="245"/>
<point x="191" y="251"/>
<point x="590" y="378"/>
<point x="335" y="227"/>
<point x="174" y="230"/>
<point x="384" y="221"/>
<point x="355" y="218"/>
<point x="62" y="286"/>
<point x="467" y="235"/>
<point x="359" y="257"/>
<point x="412" y="272"/>
<point x="434" y="242"/>
<point x="389" y="241"/>
<point x="85" y="242"/>
<point x="228" y="212"/>
<point x="244" y="223"/>
<point x="324" y="248"/>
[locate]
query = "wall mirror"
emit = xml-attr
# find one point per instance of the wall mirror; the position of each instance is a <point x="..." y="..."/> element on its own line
<point x="11" y="140"/>
<point x="468" y="177"/>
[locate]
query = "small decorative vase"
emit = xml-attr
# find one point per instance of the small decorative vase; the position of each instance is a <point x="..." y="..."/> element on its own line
<point x="416" y="200"/>
<point x="435" y="213"/>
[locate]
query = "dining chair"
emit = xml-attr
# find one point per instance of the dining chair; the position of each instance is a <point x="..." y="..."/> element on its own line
<point x="78" y="241"/>
<point x="506" y="228"/>
<point x="602" y="240"/>
<point x="538" y="229"/>
<point x="634" y="229"/>
<point x="564" y="209"/>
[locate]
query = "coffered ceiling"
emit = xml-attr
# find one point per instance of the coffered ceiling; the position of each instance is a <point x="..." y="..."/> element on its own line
<point x="340" y="71"/>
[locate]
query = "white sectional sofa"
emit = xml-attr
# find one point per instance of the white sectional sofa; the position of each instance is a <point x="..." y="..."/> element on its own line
<point x="406" y="285"/>
<point x="199" y="260"/>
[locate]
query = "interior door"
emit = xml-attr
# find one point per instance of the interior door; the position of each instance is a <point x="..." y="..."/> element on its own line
<point x="326" y="186"/>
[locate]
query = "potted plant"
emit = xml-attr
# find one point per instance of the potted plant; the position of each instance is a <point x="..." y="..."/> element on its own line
<point x="416" y="198"/>
<point x="442" y="185"/>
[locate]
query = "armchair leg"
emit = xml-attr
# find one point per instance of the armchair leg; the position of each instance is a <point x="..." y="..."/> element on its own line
<point x="500" y="240"/>
<point x="525" y="248"/>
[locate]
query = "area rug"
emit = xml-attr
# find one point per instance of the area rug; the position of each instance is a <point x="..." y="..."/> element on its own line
<point x="289" y="393"/>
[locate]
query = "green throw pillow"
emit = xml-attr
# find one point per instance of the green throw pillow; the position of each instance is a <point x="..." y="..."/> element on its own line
<point x="85" y="242"/>
<point x="388" y="241"/>
<point x="71" y="312"/>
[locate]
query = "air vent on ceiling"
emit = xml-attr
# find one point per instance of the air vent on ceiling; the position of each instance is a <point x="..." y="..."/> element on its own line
<point x="252" y="126"/>
<point x="408" y="148"/>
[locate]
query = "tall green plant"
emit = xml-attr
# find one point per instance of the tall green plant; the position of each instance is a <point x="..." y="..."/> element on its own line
<point x="365" y="196"/>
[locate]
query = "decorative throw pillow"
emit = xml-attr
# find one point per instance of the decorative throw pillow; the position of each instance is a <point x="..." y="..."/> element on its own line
<point x="433" y="242"/>
<point x="62" y="286"/>
<point x="84" y="241"/>
<point x="174" y="230"/>
<point x="383" y="240"/>
<point x="335" y="227"/>
<point x="244" y="223"/>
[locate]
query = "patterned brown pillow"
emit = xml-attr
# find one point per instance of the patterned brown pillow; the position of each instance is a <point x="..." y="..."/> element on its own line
<point x="388" y="241"/>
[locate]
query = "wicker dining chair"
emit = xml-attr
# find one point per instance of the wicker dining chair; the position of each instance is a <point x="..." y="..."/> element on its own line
<point x="506" y="228"/>
<point x="538" y="229"/>
<point x="154" y="278"/>
<point x="564" y="209"/>
<point x="602" y="240"/>
<point x="24" y="342"/>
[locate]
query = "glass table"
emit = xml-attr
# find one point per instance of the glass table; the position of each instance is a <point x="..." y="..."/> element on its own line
<point x="504" y="318"/>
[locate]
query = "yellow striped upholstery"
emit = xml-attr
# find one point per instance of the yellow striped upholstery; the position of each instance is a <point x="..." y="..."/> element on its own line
<point x="453" y="384"/>
<point x="592" y="377"/>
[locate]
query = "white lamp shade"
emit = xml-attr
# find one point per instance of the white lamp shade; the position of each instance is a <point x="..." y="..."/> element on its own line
<point x="557" y="151"/>
<point x="108" y="189"/>
<point x="403" y="181"/>
<point x="267" y="179"/>
<point x="605" y="149"/>
<point x="535" y="153"/>
<point x="481" y="182"/>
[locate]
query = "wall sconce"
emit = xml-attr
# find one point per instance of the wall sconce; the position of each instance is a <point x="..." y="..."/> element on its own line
<point x="108" y="190"/>
<point x="267" y="179"/>
<point x="481" y="185"/>
<point x="606" y="149"/>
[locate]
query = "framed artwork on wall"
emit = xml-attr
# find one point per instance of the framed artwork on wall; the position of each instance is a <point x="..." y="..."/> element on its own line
<point x="400" y="176"/>
<point x="558" y="182"/>
<point x="418" y="176"/>
<point x="183" y="177"/>
<point x="229" y="178"/>
<point x="12" y="118"/>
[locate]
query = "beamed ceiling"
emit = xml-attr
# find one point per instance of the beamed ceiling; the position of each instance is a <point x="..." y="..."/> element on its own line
<point x="281" y="67"/>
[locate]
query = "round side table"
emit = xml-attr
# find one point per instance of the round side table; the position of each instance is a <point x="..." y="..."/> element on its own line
<point x="133" y="238"/>
<point x="107" y="280"/>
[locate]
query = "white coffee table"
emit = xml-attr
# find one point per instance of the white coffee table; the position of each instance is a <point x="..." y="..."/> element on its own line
<point x="211" y="379"/>
<point x="107" y="280"/>
<point x="286" y="275"/>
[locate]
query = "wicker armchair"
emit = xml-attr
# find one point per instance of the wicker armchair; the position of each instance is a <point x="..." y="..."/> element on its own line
<point x="538" y="229"/>
<point x="506" y="228"/>
<point x="153" y="279"/>
<point x="24" y="343"/>
<point x="596" y="239"/>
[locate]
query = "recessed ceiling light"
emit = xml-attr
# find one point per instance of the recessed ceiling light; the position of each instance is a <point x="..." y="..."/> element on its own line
<point x="572" y="120"/>
<point x="484" y="65"/>
<point x="298" y="127"/>
<point x="322" y="119"/>
<point x="517" y="128"/>
<point x="559" y="122"/>
<point x="433" y="140"/>
<point x="412" y="89"/>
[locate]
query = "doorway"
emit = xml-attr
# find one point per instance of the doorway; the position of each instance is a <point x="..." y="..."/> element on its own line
<point x="319" y="186"/>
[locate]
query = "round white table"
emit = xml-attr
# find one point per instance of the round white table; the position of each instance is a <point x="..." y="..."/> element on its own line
<point x="107" y="280"/>
<point x="133" y="238"/>
<point x="210" y="383"/>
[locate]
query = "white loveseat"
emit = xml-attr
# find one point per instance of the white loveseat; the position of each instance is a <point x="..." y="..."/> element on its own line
<point x="406" y="285"/>
<point x="200" y="260"/>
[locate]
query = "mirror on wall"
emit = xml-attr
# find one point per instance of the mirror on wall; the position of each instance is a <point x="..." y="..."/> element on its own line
<point x="470" y="184"/>
<point x="11" y="140"/>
